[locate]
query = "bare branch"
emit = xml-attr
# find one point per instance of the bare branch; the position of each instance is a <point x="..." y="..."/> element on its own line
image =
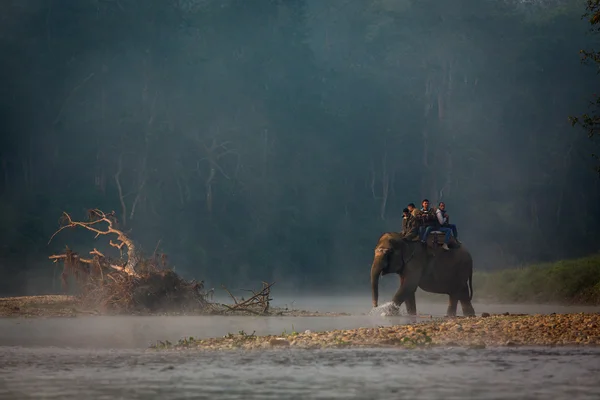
<point x="99" y="217"/>
<point x="261" y="299"/>
<point x="120" y="189"/>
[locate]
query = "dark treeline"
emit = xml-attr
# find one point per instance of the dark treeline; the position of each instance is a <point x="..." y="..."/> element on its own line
<point x="276" y="140"/>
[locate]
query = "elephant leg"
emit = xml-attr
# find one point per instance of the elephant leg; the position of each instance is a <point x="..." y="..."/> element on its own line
<point x="411" y="304"/>
<point x="465" y="303"/>
<point x="406" y="293"/>
<point x="467" y="308"/>
<point x="452" y="304"/>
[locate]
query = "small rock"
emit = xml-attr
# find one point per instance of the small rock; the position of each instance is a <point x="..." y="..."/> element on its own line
<point x="279" y="342"/>
<point x="308" y="331"/>
<point x="485" y="315"/>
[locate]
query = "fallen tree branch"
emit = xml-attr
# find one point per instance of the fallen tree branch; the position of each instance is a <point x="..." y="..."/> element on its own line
<point x="57" y="257"/>
<point x="231" y="295"/>
<point x="97" y="217"/>
<point x="140" y="284"/>
<point x="260" y="299"/>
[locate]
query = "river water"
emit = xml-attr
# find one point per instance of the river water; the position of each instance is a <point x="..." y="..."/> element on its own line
<point x="107" y="358"/>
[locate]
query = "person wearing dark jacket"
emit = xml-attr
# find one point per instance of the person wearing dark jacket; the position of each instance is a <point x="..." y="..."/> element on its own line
<point x="410" y="227"/>
<point x="405" y="215"/>
<point x="428" y="220"/>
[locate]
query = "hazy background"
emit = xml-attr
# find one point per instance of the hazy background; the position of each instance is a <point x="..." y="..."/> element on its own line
<point x="276" y="140"/>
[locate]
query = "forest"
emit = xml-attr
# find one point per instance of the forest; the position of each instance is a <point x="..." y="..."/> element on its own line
<point x="275" y="140"/>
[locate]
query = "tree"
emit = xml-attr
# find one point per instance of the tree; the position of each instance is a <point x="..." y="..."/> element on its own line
<point x="591" y="121"/>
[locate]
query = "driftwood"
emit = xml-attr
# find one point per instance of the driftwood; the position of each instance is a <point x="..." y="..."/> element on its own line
<point x="139" y="284"/>
<point x="257" y="304"/>
<point x="133" y="284"/>
<point x="96" y="217"/>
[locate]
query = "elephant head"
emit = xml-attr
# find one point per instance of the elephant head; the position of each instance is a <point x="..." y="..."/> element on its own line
<point x="385" y="261"/>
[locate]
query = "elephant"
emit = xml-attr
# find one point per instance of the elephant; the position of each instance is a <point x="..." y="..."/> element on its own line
<point x="418" y="265"/>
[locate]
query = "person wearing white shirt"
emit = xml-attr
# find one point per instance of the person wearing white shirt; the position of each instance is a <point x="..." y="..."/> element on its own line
<point x="445" y="225"/>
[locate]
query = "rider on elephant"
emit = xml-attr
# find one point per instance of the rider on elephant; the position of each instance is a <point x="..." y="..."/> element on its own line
<point x="410" y="225"/>
<point x="405" y="216"/>
<point x="428" y="220"/>
<point x="445" y="225"/>
<point x="414" y="211"/>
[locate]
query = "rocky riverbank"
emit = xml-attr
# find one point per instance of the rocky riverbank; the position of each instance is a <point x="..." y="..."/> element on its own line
<point x="479" y="332"/>
<point x="68" y="306"/>
<point x="41" y="306"/>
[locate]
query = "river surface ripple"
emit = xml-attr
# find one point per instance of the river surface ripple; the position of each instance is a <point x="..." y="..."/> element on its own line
<point x="440" y="373"/>
<point x="107" y="358"/>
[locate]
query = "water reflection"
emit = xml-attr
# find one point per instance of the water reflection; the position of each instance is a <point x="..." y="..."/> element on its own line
<point x="302" y="374"/>
<point x="107" y="358"/>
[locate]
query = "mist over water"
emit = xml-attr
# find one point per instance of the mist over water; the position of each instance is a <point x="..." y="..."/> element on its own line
<point x="139" y="332"/>
<point x="259" y="140"/>
<point x="108" y="357"/>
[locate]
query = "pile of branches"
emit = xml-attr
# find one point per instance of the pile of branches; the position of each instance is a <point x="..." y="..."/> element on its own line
<point x="131" y="283"/>
<point x="257" y="304"/>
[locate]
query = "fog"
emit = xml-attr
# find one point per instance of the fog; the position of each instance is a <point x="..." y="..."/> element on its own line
<point x="276" y="140"/>
<point x="139" y="332"/>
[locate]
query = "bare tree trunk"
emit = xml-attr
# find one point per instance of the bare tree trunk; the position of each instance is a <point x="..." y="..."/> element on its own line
<point x="141" y="183"/>
<point x="566" y="163"/>
<point x="385" y="185"/>
<point x="212" y="157"/>
<point x="120" y="190"/>
<point x="209" y="196"/>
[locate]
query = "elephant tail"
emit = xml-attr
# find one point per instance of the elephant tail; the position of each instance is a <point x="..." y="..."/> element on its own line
<point x="471" y="285"/>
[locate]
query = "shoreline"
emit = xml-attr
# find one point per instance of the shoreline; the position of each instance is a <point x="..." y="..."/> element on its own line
<point x="67" y="306"/>
<point x="545" y="330"/>
<point x="497" y="330"/>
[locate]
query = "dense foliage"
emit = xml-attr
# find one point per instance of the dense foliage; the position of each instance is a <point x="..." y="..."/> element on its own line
<point x="566" y="281"/>
<point x="276" y="140"/>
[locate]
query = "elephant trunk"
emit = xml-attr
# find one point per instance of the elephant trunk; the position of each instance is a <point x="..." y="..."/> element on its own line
<point x="376" y="269"/>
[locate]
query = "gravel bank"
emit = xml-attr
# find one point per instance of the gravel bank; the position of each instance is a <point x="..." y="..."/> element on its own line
<point x="479" y="332"/>
<point x="67" y="306"/>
